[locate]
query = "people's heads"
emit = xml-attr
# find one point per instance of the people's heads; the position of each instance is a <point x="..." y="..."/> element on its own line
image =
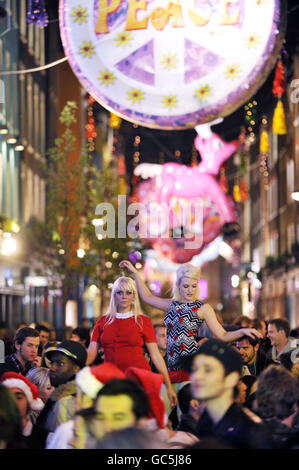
<point x="215" y="370"/>
<point x="81" y="335"/>
<point x="40" y="376"/>
<point x="260" y="325"/>
<point x="161" y="336"/>
<point x="124" y="297"/>
<point x="44" y="334"/>
<point x="278" y="331"/>
<point x="240" y="392"/>
<point x="186" y="288"/>
<point x="90" y="380"/>
<point x="248" y="348"/>
<point x="26" y="344"/>
<point x="188" y="404"/>
<point x="66" y="360"/>
<point x="277" y="393"/>
<point x="10" y="420"/>
<point x="120" y="404"/>
<point x="21" y="325"/>
<point x="3" y="330"/>
<point x="130" y="438"/>
<point x="242" y="321"/>
<point x="52" y="335"/>
<point x="25" y="392"/>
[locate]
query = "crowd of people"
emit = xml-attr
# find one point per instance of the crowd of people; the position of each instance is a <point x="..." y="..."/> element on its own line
<point x="191" y="382"/>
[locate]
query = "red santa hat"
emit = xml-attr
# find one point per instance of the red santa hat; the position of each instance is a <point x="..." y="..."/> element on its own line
<point x="152" y="384"/>
<point x="92" y="379"/>
<point x="14" y="380"/>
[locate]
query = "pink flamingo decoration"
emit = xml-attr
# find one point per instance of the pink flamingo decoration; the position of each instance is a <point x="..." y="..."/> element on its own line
<point x="192" y="182"/>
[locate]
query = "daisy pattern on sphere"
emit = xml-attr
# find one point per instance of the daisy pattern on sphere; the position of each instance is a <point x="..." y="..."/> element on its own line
<point x="203" y="92"/>
<point x="123" y="39"/>
<point x="169" y="101"/>
<point x="135" y="95"/>
<point x="106" y="78"/>
<point x="79" y="14"/>
<point x="232" y="71"/>
<point x="253" y="41"/>
<point x="86" y="49"/>
<point x="169" y="61"/>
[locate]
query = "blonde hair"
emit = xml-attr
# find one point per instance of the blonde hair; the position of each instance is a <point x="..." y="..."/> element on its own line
<point x="39" y="376"/>
<point x="185" y="270"/>
<point x="123" y="283"/>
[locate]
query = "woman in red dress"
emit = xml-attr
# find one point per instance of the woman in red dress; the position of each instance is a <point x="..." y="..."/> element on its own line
<point x="123" y="332"/>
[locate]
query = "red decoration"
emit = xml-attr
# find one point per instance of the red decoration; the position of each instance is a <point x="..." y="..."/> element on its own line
<point x="182" y="347"/>
<point x="243" y="191"/>
<point x="181" y="319"/>
<point x="223" y="180"/>
<point x="279" y="84"/>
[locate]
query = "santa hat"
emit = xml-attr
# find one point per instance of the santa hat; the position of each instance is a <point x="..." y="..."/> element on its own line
<point x="152" y="384"/>
<point x="92" y="379"/>
<point x="14" y="380"/>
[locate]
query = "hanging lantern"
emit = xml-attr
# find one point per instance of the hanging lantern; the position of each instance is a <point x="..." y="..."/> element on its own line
<point x="279" y="120"/>
<point x="279" y="87"/>
<point x="264" y="142"/>
<point x="236" y="193"/>
<point x="37" y="13"/>
<point x="114" y="121"/>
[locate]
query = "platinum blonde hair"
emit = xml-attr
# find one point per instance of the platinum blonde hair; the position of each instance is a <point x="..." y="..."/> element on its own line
<point x="39" y="376"/>
<point x="128" y="284"/>
<point x="185" y="270"/>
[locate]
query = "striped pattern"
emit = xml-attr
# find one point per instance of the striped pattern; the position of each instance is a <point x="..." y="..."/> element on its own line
<point x="182" y="325"/>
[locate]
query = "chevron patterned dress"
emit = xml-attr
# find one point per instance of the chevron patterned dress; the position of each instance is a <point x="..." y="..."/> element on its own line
<point x="182" y="323"/>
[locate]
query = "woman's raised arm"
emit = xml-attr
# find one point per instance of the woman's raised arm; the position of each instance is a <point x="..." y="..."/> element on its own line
<point x="143" y="291"/>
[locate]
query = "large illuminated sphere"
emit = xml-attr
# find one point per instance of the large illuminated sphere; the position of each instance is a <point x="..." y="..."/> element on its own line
<point x="171" y="64"/>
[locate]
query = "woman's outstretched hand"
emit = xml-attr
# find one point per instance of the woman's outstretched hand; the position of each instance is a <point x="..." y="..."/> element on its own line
<point x="128" y="265"/>
<point x="252" y="333"/>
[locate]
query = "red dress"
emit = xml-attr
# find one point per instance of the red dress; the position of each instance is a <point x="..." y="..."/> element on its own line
<point x="123" y="340"/>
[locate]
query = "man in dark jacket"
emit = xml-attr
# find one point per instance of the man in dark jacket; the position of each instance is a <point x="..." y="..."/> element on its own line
<point x="216" y="370"/>
<point x="25" y="357"/>
<point x="255" y="360"/>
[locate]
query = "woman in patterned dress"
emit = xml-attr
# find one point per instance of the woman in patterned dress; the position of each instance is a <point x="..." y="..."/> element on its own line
<point x="185" y="314"/>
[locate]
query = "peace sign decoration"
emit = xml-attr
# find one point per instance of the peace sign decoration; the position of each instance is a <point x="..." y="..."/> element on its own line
<point x="171" y="64"/>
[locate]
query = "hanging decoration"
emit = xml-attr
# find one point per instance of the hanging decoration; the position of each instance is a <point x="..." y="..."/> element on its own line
<point x="243" y="191"/>
<point x="236" y="191"/>
<point x="136" y="159"/>
<point x="37" y="13"/>
<point x="251" y="119"/>
<point x="223" y="180"/>
<point x="194" y="161"/>
<point x="160" y="63"/>
<point x="90" y="128"/>
<point x="279" y="87"/>
<point x="264" y="152"/>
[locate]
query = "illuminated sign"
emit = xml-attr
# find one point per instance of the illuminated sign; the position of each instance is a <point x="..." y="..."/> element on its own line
<point x="171" y="64"/>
